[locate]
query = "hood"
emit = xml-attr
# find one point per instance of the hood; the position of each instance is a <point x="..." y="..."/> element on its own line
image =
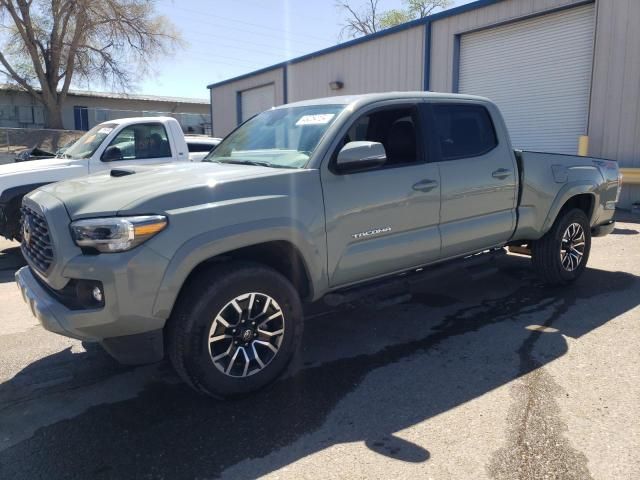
<point x="26" y="176"/>
<point x="155" y="189"/>
<point x="38" y="165"/>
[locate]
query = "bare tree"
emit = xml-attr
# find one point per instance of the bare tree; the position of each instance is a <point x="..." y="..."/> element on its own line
<point x="359" y="21"/>
<point x="45" y="45"/>
<point x="369" y="19"/>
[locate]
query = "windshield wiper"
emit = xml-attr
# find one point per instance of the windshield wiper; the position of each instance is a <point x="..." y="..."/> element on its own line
<point x="250" y="162"/>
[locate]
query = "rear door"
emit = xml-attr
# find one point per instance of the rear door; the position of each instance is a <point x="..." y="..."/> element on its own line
<point x="383" y="220"/>
<point x="478" y="173"/>
<point x="139" y="144"/>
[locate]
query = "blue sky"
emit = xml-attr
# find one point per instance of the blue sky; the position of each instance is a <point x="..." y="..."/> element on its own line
<point x="225" y="38"/>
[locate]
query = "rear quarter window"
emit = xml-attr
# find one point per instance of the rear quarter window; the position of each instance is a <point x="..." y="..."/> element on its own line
<point x="463" y="131"/>
<point x="200" y="147"/>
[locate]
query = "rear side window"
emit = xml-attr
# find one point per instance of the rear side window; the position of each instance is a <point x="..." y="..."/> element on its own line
<point x="200" y="147"/>
<point x="463" y="131"/>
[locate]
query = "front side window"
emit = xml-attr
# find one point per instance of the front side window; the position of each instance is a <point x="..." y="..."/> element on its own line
<point x="282" y="137"/>
<point x="395" y="128"/>
<point x="463" y="131"/>
<point x="138" y="142"/>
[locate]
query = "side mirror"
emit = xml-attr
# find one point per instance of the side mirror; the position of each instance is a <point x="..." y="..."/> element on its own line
<point x="356" y="156"/>
<point x="111" y="154"/>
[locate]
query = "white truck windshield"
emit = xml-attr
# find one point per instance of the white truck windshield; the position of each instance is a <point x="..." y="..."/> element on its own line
<point x="89" y="142"/>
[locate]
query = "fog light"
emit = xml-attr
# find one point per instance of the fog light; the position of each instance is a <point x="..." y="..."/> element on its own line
<point x="89" y="294"/>
<point x="97" y="294"/>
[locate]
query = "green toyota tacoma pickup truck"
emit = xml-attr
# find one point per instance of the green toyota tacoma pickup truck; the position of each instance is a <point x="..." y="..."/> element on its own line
<point x="211" y="262"/>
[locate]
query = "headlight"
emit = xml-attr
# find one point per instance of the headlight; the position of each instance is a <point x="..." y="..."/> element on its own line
<point x="116" y="234"/>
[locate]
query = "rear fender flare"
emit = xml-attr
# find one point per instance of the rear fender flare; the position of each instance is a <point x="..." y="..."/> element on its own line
<point x="567" y="192"/>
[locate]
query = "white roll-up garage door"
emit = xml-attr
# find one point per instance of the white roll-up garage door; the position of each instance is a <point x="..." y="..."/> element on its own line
<point x="257" y="100"/>
<point x="538" y="71"/>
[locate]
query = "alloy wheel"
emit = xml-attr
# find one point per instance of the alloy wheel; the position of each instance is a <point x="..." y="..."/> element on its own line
<point x="572" y="247"/>
<point x="246" y="334"/>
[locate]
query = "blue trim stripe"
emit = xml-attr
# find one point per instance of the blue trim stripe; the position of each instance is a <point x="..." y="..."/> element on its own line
<point x="427" y="57"/>
<point x="285" y="84"/>
<point x="389" y="31"/>
<point x="238" y="108"/>
<point x="455" y="72"/>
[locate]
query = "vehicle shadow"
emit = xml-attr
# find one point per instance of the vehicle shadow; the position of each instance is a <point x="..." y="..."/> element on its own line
<point x="362" y="375"/>
<point x="10" y="260"/>
<point x="624" y="231"/>
<point x="625" y="216"/>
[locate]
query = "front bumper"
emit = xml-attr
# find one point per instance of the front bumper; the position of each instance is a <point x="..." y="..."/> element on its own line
<point x="134" y="337"/>
<point x="44" y="307"/>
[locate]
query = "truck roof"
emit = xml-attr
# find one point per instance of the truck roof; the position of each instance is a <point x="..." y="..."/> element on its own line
<point x="366" y="98"/>
<point x="132" y="120"/>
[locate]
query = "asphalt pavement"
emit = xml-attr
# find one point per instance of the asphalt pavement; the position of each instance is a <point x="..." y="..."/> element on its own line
<point x="473" y="375"/>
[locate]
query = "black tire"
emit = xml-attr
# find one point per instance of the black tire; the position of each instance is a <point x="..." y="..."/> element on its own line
<point x="12" y="219"/>
<point x="205" y="297"/>
<point x="546" y="252"/>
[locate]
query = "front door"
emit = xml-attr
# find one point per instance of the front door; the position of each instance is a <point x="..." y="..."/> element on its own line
<point x="479" y="179"/>
<point x="384" y="220"/>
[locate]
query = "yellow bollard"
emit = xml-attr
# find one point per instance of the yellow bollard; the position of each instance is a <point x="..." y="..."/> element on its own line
<point x="583" y="145"/>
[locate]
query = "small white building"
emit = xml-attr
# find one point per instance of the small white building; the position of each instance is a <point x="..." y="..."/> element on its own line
<point x="558" y="69"/>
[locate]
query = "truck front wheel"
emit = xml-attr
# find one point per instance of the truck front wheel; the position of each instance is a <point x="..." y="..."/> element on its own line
<point x="561" y="255"/>
<point x="234" y="329"/>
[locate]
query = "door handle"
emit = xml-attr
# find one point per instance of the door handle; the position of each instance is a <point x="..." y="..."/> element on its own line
<point x="425" y="185"/>
<point x="501" y="173"/>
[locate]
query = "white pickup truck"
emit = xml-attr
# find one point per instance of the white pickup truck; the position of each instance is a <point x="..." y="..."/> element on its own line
<point x="116" y="143"/>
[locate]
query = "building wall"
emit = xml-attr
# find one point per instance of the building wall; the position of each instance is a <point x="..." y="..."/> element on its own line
<point x="444" y="31"/>
<point x="614" y="120"/>
<point x="125" y="108"/>
<point x="118" y="108"/>
<point x="391" y="62"/>
<point x="224" y="98"/>
<point x="15" y="106"/>
<point x="396" y="62"/>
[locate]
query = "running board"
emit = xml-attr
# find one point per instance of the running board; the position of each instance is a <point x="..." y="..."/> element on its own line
<point x="398" y="285"/>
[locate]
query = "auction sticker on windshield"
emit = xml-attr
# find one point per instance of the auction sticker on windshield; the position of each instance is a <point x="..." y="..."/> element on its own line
<point x="105" y="130"/>
<point x="319" y="119"/>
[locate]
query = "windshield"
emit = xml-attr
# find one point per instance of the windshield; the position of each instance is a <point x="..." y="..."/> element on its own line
<point x="89" y="142"/>
<point x="283" y="137"/>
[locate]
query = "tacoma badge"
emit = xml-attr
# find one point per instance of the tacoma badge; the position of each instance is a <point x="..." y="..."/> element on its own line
<point x="371" y="233"/>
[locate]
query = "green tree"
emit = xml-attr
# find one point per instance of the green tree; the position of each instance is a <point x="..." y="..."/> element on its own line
<point x="368" y="18"/>
<point x="45" y="45"/>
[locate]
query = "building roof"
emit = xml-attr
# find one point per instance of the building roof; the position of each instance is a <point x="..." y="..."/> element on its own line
<point x="114" y="95"/>
<point x="398" y="28"/>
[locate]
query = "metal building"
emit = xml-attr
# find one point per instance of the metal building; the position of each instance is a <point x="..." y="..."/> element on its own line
<point x="558" y="69"/>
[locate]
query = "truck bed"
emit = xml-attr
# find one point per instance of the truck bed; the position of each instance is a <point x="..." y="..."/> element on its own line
<point x="547" y="180"/>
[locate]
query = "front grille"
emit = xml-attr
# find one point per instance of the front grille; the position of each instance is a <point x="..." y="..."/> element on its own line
<point x="36" y="239"/>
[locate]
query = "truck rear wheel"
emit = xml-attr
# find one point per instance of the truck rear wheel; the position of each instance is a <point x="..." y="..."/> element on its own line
<point x="561" y="255"/>
<point x="235" y="329"/>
